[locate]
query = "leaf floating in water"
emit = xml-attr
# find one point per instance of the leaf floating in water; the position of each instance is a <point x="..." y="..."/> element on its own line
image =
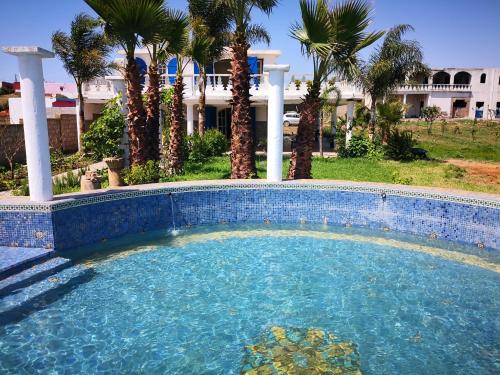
<point x="300" y="351"/>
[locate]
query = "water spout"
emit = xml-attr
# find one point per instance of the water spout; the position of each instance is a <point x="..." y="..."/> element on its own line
<point x="174" y="232"/>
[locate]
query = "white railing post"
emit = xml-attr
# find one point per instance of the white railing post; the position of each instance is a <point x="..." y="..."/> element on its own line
<point x="275" y="107"/>
<point x="350" y="118"/>
<point x="190" y="119"/>
<point x="36" y="135"/>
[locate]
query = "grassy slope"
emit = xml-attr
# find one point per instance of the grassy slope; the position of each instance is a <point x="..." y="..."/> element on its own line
<point x="422" y="173"/>
<point x="459" y="144"/>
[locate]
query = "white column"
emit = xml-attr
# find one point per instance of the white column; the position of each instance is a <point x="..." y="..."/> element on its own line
<point x="276" y="101"/>
<point x="190" y="119"/>
<point x="78" y="133"/>
<point x="350" y="117"/>
<point x="36" y="135"/>
<point x="404" y="103"/>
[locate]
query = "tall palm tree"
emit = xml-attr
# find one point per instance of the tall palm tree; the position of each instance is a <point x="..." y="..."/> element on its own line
<point x="395" y="61"/>
<point x="84" y="53"/>
<point x="183" y="51"/>
<point x="332" y="38"/>
<point x="243" y="32"/>
<point x="209" y="21"/>
<point x="125" y="21"/>
<point x="167" y="37"/>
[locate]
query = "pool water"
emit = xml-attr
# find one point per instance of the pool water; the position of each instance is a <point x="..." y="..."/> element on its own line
<point x="190" y="304"/>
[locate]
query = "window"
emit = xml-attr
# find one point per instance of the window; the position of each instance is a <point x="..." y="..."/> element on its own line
<point x="499" y="80"/>
<point x="483" y="78"/>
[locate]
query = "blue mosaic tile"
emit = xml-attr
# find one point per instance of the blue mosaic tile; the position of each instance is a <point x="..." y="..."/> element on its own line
<point x="84" y="221"/>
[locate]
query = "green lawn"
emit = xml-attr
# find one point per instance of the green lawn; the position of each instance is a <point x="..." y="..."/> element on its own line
<point x="421" y="173"/>
<point x="456" y="142"/>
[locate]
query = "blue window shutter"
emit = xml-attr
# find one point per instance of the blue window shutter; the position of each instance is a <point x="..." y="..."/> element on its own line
<point x="143" y="69"/>
<point x="210" y="69"/>
<point x="172" y="69"/>
<point x="252" y="63"/>
<point x="196" y="68"/>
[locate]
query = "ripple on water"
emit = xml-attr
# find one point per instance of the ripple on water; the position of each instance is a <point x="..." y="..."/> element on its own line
<point x="183" y="306"/>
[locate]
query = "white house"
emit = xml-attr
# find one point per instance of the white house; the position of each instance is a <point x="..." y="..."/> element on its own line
<point x="218" y="93"/>
<point x="459" y="92"/>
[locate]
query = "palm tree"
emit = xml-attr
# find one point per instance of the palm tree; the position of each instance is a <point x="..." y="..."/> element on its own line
<point x="183" y="50"/>
<point x="389" y="113"/>
<point x="167" y="37"/>
<point x="243" y="32"/>
<point x="209" y="22"/>
<point x="124" y="22"/>
<point x="332" y="38"/>
<point x="395" y="61"/>
<point x="83" y="52"/>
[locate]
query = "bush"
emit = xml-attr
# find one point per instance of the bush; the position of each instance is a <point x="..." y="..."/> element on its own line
<point x="67" y="183"/>
<point x="453" y="171"/>
<point x="104" y="137"/>
<point x="397" y="179"/>
<point x="142" y="174"/>
<point x="399" y="145"/>
<point x="212" y="143"/>
<point x="359" y="147"/>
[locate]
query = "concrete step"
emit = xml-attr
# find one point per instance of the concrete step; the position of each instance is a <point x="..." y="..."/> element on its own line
<point x="31" y="275"/>
<point x="36" y="296"/>
<point x="17" y="259"/>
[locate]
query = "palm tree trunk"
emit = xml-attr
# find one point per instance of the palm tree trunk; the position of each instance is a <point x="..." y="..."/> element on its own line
<point x="301" y="161"/>
<point x="175" y="154"/>
<point x="81" y="115"/>
<point x="373" y="119"/>
<point x="136" y="117"/>
<point x="242" y="142"/>
<point x="202" y="85"/>
<point x="153" y="113"/>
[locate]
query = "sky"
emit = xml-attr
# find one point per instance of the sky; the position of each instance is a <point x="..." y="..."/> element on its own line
<point x="453" y="33"/>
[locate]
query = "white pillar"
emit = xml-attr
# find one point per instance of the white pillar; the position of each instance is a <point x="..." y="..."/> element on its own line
<point x="276" y="101"/>
<point x="350" y="117"/>
<point x="404" y="103"/>
<point x="78" y="133"/>
<point x="36" y="135"/>
<point x="120" y="87"/>
<point x="190" y="119"/>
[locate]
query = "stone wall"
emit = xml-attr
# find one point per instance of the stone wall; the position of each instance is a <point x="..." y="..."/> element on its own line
<point x="62" y="135"/>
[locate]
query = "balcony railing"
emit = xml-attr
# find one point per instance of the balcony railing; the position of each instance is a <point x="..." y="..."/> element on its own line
<point x="97" y="87"/>
<point x="219" y="85"/>
<point x="434" y="87"/>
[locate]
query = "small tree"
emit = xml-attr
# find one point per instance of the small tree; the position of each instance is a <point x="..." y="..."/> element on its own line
<point x="83" y="53"/>
<point x="10" y="145"/>
<point x="389" y="114"/>
<point x="430" y="114"/>
<point x="105" y="134"/>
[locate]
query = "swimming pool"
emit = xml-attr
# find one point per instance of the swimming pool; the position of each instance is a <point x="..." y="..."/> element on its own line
<point x="195" y="303"/>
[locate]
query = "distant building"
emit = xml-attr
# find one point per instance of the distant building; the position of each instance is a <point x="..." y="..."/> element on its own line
<point x="459" y="92"/>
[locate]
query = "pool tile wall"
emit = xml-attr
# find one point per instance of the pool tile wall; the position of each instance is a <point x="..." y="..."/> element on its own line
<point x="84" y="221"/>
<point x="26" y="229"/>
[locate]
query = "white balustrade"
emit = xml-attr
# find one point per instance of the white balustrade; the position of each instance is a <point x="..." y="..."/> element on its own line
<point x="434" y="87"/>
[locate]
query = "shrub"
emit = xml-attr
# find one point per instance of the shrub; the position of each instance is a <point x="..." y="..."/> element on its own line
<point x="359" y="147"/>
<point x="142" y="174"/>
<point x="212" y="143"/>
<point x="397" y="179"/>
<point x="399" y="145"/>
<point x="453" y="171"/>
<point x="104" y="137"/>
<point x="67" y="183"/>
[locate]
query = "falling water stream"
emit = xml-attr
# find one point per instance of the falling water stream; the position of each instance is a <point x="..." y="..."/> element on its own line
<point x="175" y="232"/>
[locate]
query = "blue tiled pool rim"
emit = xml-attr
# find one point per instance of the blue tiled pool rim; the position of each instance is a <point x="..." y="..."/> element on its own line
<point x="78" y="220"/>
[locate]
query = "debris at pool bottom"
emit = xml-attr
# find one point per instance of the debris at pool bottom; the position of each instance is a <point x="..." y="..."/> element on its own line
<point x="300" y="351"/>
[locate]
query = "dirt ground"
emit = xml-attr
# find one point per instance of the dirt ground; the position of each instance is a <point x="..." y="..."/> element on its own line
<point x="479" y="171"/>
